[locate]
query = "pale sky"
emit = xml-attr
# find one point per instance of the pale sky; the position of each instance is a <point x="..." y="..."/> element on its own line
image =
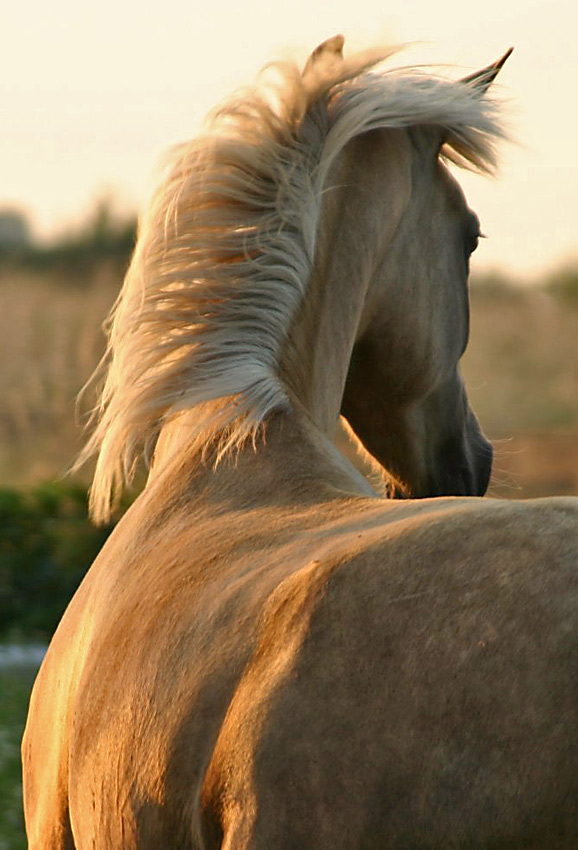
<point x="91" y="94"/>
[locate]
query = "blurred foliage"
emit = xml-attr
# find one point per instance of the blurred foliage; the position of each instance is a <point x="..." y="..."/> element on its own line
<point x="15" y="685"/>
<point x="563" y="283"/>
<point x="495" y="285"/>
<point x="103" y="237"/>
<point x="46" y="545"/>
<point x="492" y="284"/>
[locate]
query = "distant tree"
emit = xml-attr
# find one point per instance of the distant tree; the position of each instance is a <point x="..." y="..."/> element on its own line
<point x="105" y="233"/>
<point x="15" y="233"/>
<point x="563" y="283"/>
<point x="104" y="236"/>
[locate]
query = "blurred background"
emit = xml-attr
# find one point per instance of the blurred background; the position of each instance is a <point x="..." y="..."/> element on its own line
<point x="91" y="96"/>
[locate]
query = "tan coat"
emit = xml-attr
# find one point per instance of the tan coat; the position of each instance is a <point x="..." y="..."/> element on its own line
<point x="266" y="655"/>
<point x="315" y="670"/>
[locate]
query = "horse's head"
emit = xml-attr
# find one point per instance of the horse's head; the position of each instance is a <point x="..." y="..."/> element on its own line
<point x="308" y="253"/>
<point x="404" y="395"/>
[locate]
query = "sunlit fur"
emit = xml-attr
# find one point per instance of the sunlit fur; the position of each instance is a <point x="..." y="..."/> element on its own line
<point x="265" y="655"/>
<point x="226" y="248"/>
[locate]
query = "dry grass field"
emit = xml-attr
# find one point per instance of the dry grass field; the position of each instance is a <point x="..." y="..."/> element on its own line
<point x="522" y="362"/>
<point x="521" y="368"/>
<point x="50" y="341"/>
<point x="536" y="465"/>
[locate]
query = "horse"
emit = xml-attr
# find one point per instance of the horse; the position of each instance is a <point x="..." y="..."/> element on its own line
<point x="269" y="652"/>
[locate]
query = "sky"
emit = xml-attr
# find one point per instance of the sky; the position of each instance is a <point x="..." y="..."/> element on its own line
<point x="91" y="94"/>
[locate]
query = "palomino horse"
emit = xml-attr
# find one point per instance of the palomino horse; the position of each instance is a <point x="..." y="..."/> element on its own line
<point x="266" y="654"/>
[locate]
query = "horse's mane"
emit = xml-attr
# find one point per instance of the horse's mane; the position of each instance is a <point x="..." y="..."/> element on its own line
<point x="226" y="247"/>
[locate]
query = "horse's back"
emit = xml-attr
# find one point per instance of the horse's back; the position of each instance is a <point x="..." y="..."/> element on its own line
<point x="420" y="692"/>
<point x="340" y="666"/>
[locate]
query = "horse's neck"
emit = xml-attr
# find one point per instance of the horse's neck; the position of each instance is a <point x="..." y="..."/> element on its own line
<point x="358" y="222"/>
<point x="290" y="463"/>
<point x="357" y="225"/>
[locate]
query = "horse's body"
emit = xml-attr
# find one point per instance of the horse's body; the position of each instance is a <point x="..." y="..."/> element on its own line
<point x="266" y="655"/>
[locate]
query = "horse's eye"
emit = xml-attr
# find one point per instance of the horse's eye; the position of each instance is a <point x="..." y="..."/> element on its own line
<point x="474" y="235"/>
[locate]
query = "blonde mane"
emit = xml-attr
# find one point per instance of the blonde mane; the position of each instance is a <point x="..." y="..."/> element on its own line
<point x="226" y="249"/>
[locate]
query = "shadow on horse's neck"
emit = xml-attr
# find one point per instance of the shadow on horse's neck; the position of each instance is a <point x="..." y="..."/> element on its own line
<point x="291" y="462"/>
<point x="358" y="222"/>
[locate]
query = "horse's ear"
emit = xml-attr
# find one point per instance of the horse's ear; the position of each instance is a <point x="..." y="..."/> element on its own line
<point x="483" y="79"/>
<point x="331" y="49"/>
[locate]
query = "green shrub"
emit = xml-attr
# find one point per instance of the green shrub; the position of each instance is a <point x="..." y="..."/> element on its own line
<point x="46" y="545"/>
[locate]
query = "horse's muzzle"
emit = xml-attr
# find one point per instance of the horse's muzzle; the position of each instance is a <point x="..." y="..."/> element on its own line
<point x="463" y="471"/>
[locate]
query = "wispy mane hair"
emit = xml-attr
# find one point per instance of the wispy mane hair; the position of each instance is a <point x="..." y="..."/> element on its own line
<point x="226" y="248"/>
